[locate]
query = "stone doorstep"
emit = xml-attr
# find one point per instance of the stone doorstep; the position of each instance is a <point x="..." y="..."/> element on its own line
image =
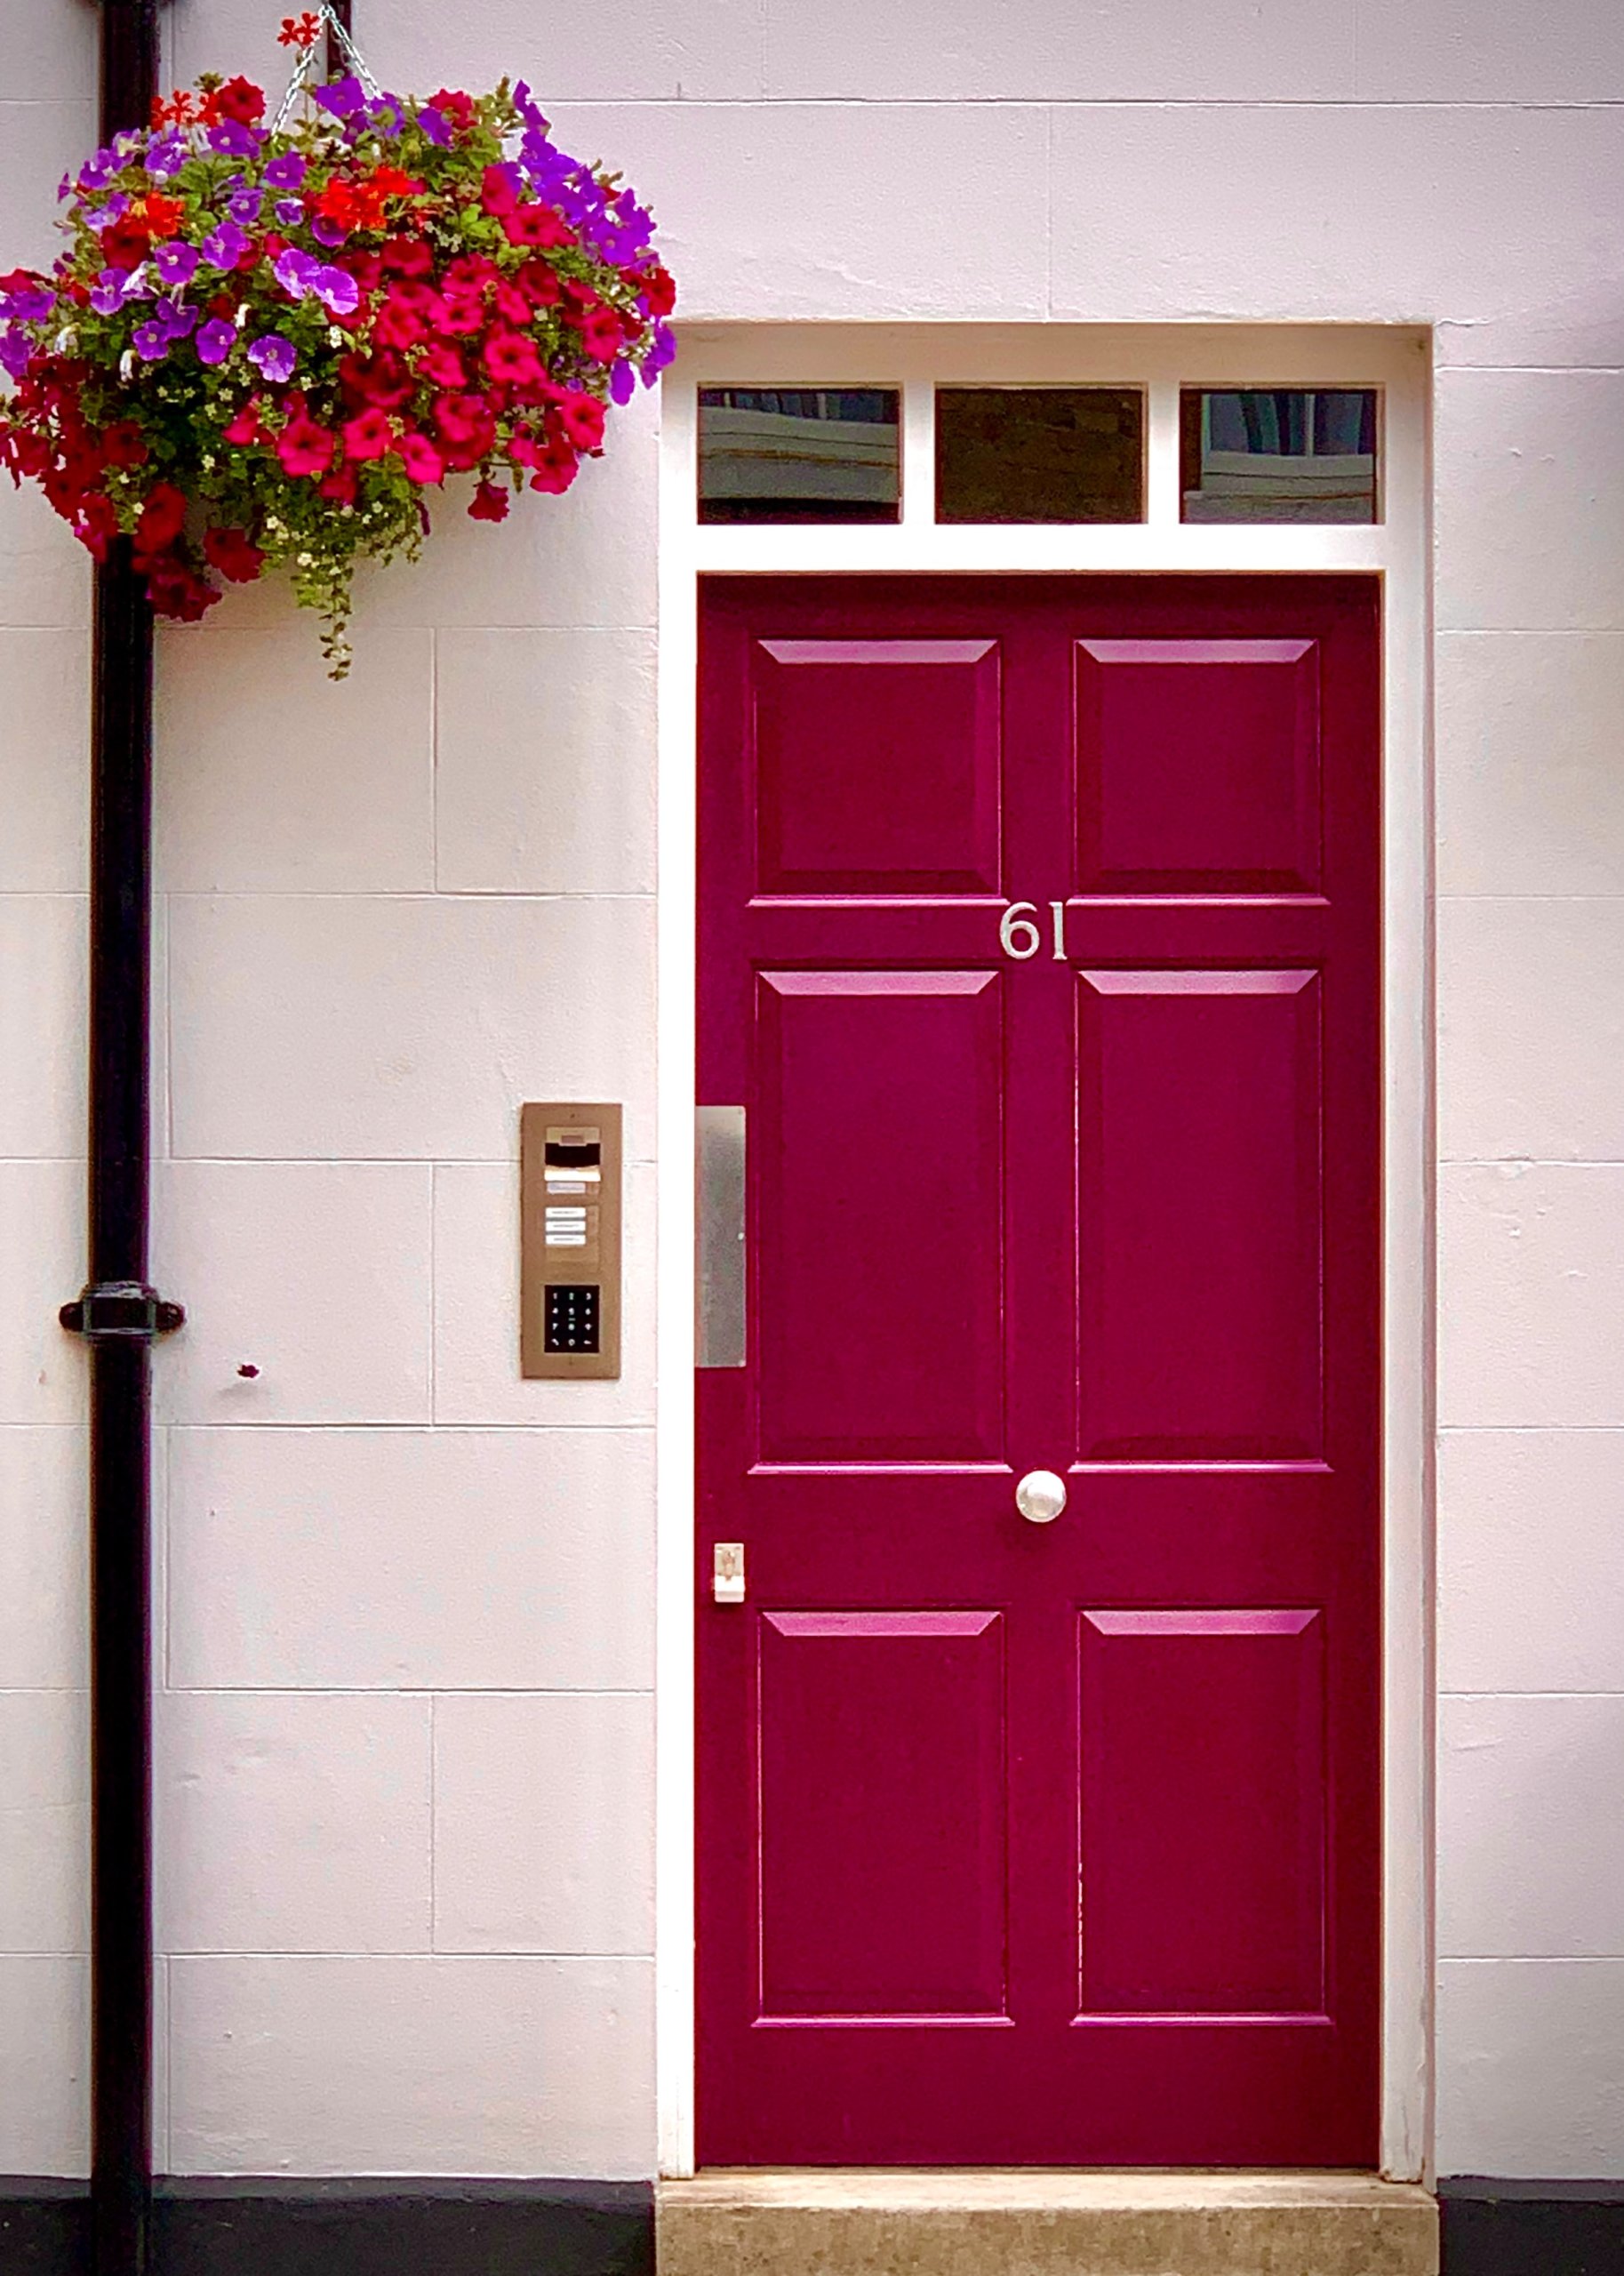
<point x="1034" y="2222"/>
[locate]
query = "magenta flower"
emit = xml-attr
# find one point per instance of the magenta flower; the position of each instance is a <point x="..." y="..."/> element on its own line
<point x="287" y="171"/>
<point x="225" y="246"/>
<point x="176" y="263"/>
<point x="152" y="342"/>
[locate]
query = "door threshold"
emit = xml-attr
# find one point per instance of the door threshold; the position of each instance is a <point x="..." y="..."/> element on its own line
<point x="1043" y="2221"/>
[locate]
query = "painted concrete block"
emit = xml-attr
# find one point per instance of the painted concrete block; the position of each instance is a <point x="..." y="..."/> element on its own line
<point x="1531" y="2068"/>
<point x="587" y="558"/>
<point x="302" y="784"/>
<point x="476" y="1307"/>
<point x="1529" y="475"/>
<point x="1490" y="51"/>
<point x="45" y="572"/>
<point x="512" y="2065"/>
<point x="43" y="1005"/>
<point x="44" y="2064"/>
<point x="786" y="210"/>
<point x="544" y="1823"/>
<point x="45" y="755"/>
<point x="1530" y="1294"/>
<point x="44" y="1587"/>
<point x="1531" y="1560"/>
<point x="1104" y="51"/>
<point x="42" y="1239"/>
<point x="307" y="1286"/>
<point x="401" y="1028"/>
<point x="48" y="53"/>
<point x="1530" y="757"/>
<point x="462" y="1560"/>
<point x="685" y="50"/>
<point x="1530" y="1843"/>
<point x="292" y="1821"/>
<point x="1531" y="1029"/>
<point x="44" y="1821"/>
<point x="1324" y="213"/>
<point x="40" y="141"/>
<point x="544" y="761"/>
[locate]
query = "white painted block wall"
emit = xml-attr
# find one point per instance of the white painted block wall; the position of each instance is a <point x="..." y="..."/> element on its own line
<point x="406" y="1791"/>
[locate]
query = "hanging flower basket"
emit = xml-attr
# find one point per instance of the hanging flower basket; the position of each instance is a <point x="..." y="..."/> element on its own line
<point x="266" y="346"/>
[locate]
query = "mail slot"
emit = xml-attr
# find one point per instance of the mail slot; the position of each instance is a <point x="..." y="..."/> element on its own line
<point x="569" y="1240"/>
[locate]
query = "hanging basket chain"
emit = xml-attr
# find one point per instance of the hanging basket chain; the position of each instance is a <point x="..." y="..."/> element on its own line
<point x="304" y="71"/>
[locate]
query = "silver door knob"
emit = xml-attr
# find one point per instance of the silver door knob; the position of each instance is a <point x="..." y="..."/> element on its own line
<point x="1041" y="1497"/>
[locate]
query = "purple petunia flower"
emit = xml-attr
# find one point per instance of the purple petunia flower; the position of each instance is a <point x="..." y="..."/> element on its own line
<point x="64" y="189"/>
<point x="289" y="212"/>
<point x="338" y="290"/>
<point x="232" y="140"/>
<point x="659" y="355"/>
<point x="225" y="246"/>
<point x="98" y="171"/>
<point x="274" y="356"/>
<point x="296" y="272"/>
<point x="112" y="289"/>
<point x="434" y="125"/>
<point x="525" y="104"/>
<point x="215" y="340"/>
<point x="16" y="349"/>
<point x="386" y="114"/>
<point x="32" y="305"/>
<point x="285" y="171"/>
<point x="244" y="206"/>
<point x="165" y="156"/>
<point x="341" y="98"/>
<point x="176" y="263"/>
<point x="152" y="342"/>
<point x="325" y="232"/>
<point x="177" y="318"/>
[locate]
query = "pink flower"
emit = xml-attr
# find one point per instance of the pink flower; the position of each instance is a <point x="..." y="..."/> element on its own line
<point x="512" y="359"/>
<point x="420" y="459"/>
<point x="488" y="504"/>
<point x="536" y="225"/>
<point x="582" y="418"/>
<point x="234" y="554"/>
<point x="600" y="335"/>
<point x="442" y="365"/>
<point x="497" y="194"/>
<point x="368" y="436"/>
<point x="246" y="426"/>
<point x="398" y="323"/>
<point x="304" y="447"/>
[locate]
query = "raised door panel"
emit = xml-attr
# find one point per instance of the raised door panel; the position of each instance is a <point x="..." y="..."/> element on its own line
<point x="877" y="765"/>
<point x="1200" y="1206"/>
<point x="1198" y="766"/>
<point x="876" y="1167"/>
<point x="1203" y="1813"/>
<point x="883" y="1837"/>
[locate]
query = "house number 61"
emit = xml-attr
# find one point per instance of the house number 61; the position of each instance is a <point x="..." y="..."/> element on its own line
<point x="1018" y="933"/>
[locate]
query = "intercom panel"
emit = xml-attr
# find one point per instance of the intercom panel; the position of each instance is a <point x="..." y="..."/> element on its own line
<point x="570" y="1185"/>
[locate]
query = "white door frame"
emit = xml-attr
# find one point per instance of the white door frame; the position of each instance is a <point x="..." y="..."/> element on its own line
<point x="915" y="357"/>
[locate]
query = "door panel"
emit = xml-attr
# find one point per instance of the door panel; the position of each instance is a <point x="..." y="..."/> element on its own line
<point x="1017" y="1843"/>
<point x="1203" y="1813"/>
<point x="1200" y="1207"/>
<point x="878" y="1255"/>
<point x="883" y="1836"/>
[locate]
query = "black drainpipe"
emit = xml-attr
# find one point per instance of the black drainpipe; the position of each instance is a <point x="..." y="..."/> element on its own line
<point x="118" y="1314"/>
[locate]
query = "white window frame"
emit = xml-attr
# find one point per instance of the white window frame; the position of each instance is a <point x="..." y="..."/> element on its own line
<point x="1159" y="359"/>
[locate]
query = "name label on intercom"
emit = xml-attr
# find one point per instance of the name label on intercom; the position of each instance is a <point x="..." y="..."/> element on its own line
<point x="569" y="1240"/>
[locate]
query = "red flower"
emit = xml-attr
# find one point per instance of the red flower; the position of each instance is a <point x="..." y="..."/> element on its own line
<point x="558" y="468"/>
<point x="468" y="427"/>
<point x="365" y="267"/>
<point x="246" y="426"/>
<point x="234" y="554"/>
<point x="536" y="225"/>
<point x="420" y="459"/>
<point x="126" y="244"/>
<point x="342" y="484"/>
<point x="304" y="447"/>
<point x="488" y="504"/>
<point x="511" y="358"/>
<point x="657" y="287"/>
<point x="442" y="365"/>
<point x="581" y="417"/>
<point x="600" y="335"/>
<point x="382" y="381"/>
<point x="241" y="100"/>
<point x="175" y="590"/>
<point x="95" y="524"/>
<point x="538" y="282"/>
<point x="407" y="257"/>
<point x="163" y="215"/>
<point x="368" y="436"/>
<point x="398" y="323"/>
<point x="162" y="519"/>
<point x="300" y="31"/>
<point x="497" y="194"/>
<point x="463" y="315"/>
<point x="456" y="105"/>
<point x="122" y="443"/>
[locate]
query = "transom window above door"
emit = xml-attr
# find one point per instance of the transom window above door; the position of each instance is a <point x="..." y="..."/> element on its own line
<point x="1007" y="454"/>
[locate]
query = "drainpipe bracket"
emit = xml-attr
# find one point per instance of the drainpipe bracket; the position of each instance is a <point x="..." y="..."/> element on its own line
<point x="115" y="1311"/>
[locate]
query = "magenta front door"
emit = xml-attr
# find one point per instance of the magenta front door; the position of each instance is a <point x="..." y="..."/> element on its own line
<point x="1039" y="938"/>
